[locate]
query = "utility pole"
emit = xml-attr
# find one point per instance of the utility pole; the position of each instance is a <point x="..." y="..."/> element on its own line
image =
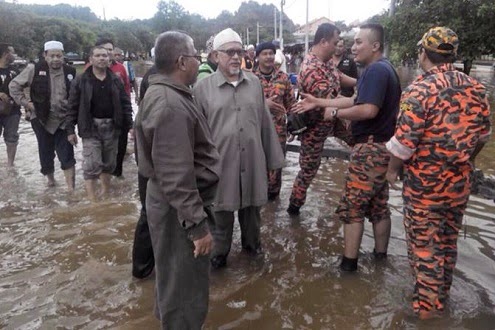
<point x="247" y="36"/>
<point x="391" y="13"/>
<point x="257" y="33"/>
<point x="281" y="29"/>
<point x="306" y="41"/>
<point x="274" y="23"/>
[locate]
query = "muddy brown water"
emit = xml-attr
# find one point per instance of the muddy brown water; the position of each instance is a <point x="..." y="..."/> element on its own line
<point x="65" y="263"/>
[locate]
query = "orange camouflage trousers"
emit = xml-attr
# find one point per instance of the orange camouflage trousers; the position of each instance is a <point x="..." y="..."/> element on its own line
<point x="366" y="188"/>
<point x="312" y="143"/>
<point x="432" y="251"/>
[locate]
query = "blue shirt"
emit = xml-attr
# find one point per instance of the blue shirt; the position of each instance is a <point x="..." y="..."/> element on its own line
<point x="379" y="85"/>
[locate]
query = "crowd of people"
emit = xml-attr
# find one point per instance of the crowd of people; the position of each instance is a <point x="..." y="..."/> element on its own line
<point x="211" y="139"/>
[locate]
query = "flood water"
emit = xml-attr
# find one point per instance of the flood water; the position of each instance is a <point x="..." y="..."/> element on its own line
<point x="66" y="263"/>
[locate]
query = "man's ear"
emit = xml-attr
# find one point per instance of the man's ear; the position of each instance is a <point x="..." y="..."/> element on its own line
<point x="215" y="56"/>
<point x="181" y="64"/>
<point x="376" y="46"/>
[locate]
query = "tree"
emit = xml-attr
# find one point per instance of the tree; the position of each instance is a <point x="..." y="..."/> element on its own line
<point x="472" y="20"/>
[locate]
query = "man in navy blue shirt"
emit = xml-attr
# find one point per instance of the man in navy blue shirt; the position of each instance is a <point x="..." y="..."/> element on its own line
<point x="373" y="113"/>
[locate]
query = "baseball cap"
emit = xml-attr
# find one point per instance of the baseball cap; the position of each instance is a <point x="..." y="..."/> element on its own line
<point x="440" y="40"/>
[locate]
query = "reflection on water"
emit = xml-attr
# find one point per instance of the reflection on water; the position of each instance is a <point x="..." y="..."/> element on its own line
<point x="66" y="263"/>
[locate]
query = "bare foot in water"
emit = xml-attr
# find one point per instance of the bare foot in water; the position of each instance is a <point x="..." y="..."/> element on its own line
<point x="51" y="180"/>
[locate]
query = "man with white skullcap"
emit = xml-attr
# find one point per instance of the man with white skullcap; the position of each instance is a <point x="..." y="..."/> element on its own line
<point x="249" y="60"/>
<point x="207" y="68"/>
<point x="46" y="106"/>
<point x="234" y="105"/>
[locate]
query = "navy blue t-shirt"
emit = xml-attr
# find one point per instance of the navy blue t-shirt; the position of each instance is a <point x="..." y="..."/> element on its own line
<point x="379" y="85"/>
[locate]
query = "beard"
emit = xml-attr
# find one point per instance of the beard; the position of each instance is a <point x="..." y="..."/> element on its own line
<point x="234" y="71"/>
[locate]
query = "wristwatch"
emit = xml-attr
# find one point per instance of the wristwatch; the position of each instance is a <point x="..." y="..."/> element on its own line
<point x="335" y="112"/>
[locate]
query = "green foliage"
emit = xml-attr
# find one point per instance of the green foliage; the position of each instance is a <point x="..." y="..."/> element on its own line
<point x="28" y="27"/>
<point x="472" y="20"/>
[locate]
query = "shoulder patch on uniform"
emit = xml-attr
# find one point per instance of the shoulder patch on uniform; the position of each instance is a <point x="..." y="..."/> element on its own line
<point x="404" y="106"/>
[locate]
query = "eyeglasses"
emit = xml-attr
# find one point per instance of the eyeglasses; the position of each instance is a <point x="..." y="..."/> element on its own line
<point x="232" y="52"/>
<point x="197" y="57"/>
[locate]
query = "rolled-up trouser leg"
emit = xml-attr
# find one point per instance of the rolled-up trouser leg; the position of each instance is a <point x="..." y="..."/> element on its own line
<point x="10" y="126"/>
<point x="222" y="230"/>
<point x="92" y="163"/>
<point x="250" y="223"/>
<point x="182" y="281"/>
<point x="65" y="150"/>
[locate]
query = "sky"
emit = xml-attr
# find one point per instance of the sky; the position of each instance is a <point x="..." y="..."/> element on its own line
<point x="336" y="10"/>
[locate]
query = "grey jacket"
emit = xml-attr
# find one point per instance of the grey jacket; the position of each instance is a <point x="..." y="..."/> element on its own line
<point x="176" y="151"/>
<point x="244" y="135"/>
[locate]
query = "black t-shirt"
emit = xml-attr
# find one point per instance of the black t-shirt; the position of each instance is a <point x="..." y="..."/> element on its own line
<point x="101" y="101"/>
<point x="348" y="67"/>
<point x="6" y="76"/>
<point x="379" y="85"/>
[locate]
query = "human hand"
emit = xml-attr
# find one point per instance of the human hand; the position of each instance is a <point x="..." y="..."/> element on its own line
<point x="4" y="97"/>
<point x="72" y="138"/>
<point x="276" y="108"/>
<point x="309" y="102"/>
<point x="203" y="245"/>
<point x="392" y="179"/>
<point x="29" y="107"/>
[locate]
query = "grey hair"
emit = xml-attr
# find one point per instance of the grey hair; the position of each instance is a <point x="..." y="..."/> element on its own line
<point x="169" y="46"/>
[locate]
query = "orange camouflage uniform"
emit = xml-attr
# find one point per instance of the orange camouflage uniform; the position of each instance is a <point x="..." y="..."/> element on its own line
<point x="444" y="115"/>
<point x="321" y="80"/>
<point x="277" y="84"/>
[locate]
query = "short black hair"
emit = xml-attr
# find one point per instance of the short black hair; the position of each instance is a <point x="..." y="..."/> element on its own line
<point x="437" y="58"/>
<point x="4" y="48"/>
<point x="325" y="31"/>
<point x="377" y="33"/>
<point x="168" y="47"/>
<point x="92" y="50"/>
<point x="102" y="41"/>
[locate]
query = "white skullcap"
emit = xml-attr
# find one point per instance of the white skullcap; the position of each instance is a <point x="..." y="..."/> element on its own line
<point x="250" y="47"/>
<point x="225" y="36"/>
<point x="51" y="45"/>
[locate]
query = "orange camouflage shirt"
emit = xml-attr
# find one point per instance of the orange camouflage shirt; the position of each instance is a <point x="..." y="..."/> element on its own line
<point x="444" y="115"/>
<point x="320" y="79"/>
<point x="278" y="84"/>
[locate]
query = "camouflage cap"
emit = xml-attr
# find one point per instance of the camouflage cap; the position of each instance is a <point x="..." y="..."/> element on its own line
<point x="440" y="40"/>
<point x="209" y="44"/>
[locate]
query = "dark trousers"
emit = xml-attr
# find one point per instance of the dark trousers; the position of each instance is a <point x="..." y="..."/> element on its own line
<point x="250" y="222"/>
<point x="48" y="144"/>
<point x="143" y="259"/>
<point x="122" y="150"/>
<point x="182" y="281"/>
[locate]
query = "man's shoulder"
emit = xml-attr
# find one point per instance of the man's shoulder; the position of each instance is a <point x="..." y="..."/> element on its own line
<point x="117" y="66"/>
<point x="206" y="82"/>
<point x="380" y="67"/>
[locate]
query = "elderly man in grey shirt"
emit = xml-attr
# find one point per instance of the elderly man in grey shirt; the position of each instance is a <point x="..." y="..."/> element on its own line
<point x="234" y="105"/>
<point x="177" y="154"/>
<point x="46" y="106"/>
